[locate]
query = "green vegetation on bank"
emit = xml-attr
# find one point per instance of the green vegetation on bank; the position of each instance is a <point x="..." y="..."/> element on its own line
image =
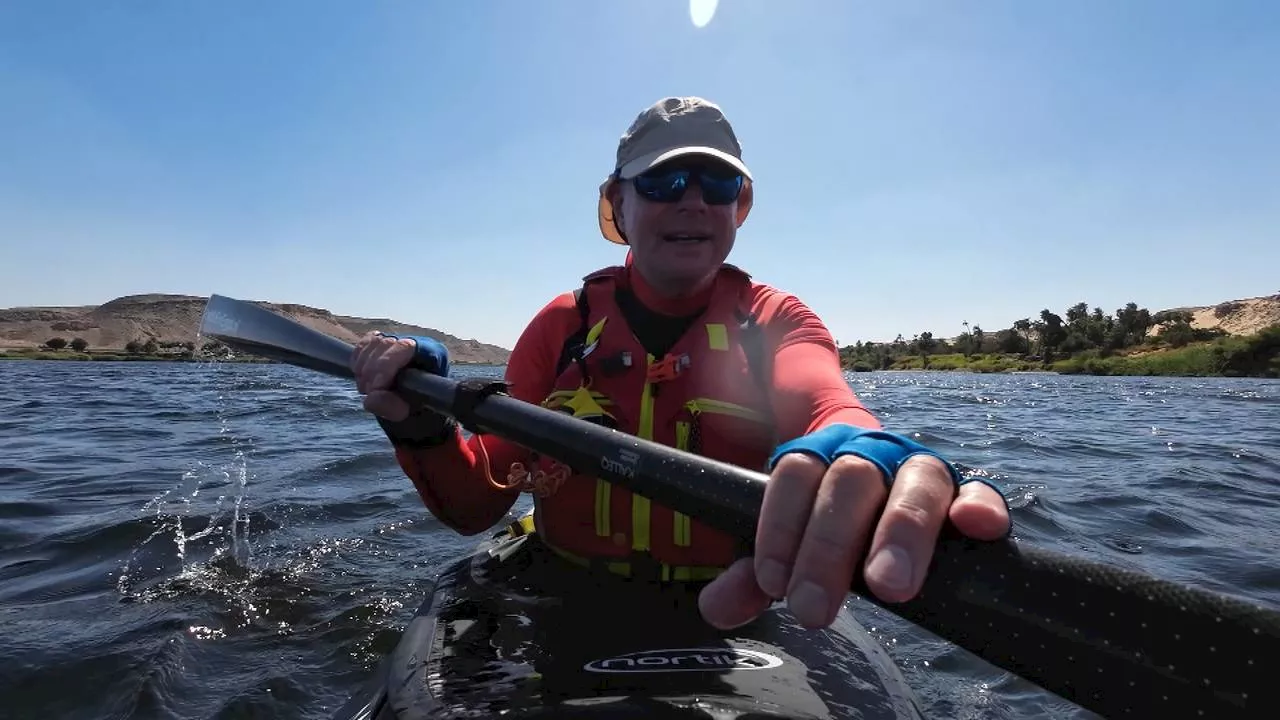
<point x="149" y="350"/>
<point x="1094" y="343"/>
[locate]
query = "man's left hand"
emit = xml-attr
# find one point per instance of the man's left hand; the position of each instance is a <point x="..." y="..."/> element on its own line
<point x="819" y="520"/>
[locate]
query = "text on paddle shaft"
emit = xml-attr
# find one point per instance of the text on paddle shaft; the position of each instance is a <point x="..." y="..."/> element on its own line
<point x="624" y="465"/>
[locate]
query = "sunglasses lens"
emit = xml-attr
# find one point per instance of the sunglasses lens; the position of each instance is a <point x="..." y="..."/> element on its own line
<point x="666" y="186"/>
<point x="720" y="191"/>
<point x="720" y="186"/>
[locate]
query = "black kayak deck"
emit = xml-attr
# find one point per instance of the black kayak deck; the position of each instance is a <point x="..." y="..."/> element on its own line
<point x="514" y="631"/>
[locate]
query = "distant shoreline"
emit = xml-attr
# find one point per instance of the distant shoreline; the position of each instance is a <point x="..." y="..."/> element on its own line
<point x="158" y="324"/>
<point x="1211" y="359"/>
<point x="1256" y="356"/>
<point x="123" y="356"/>
<point x="977" y="364"/>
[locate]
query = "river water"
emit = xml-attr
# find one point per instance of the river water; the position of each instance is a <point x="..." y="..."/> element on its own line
<point x="226" y="541"/>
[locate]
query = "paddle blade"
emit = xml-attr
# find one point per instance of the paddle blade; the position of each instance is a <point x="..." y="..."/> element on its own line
<point x="253" y="329"/>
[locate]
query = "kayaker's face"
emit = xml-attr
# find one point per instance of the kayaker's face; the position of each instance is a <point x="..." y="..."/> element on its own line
<point x="680" y="220"/>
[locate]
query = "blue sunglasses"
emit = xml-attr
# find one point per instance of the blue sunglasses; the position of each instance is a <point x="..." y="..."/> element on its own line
<point x="720" y="184"/>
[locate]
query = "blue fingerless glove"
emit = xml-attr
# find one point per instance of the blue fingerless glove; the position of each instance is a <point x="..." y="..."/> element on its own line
<point x="885" y="450"/>
<point x="424" y="427"/>
<point x="429" y="355"/>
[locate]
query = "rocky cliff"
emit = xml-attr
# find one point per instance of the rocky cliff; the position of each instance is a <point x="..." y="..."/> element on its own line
<point x="1236" y="317"/>
<point x="175" y="318"/>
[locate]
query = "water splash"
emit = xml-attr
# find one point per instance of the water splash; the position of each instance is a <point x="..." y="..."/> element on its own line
<point x="206" y="510"/>
<point x="178" y="512"/>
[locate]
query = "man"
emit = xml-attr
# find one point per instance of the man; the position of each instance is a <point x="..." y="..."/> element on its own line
<point x="679" y="347"/>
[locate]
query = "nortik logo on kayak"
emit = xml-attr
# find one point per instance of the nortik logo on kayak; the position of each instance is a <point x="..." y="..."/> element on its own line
<point x="685" y="660"/>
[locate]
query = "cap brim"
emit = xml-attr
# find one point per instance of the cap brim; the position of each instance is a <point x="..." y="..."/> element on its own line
<point x="654" y="159"/>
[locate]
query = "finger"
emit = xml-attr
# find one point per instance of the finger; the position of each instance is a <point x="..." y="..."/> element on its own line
<point x="392" y="360"/>
<point x="372" y="371"/>
<point x="844" y="510"/>
<point x="361" y="349"/>
<point x="386" y="404"/>
<point x="734" y="598"/>
<point x="980" y="512"/>
<point x="784" y="512"/>
<point x="908" y="529"/>
<point x="365" y="357"/>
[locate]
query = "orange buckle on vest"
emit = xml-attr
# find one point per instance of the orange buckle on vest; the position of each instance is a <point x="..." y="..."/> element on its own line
<point x="668" y="368"/>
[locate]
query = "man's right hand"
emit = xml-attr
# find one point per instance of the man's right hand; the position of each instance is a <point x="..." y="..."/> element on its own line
<point x="376" y="361"/>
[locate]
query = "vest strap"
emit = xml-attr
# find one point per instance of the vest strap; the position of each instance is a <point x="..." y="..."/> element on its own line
<point x="642" y="566"/>
<point x="574" y="345"/>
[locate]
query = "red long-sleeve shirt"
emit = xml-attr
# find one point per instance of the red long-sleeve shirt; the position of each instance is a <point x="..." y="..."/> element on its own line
<point x="809" y="393"/>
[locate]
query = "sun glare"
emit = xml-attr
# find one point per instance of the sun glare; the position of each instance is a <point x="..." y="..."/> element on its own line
<point x="701" y="11"/>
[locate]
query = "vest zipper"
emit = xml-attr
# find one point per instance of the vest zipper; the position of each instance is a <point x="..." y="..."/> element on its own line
<point x="697" y="406"/>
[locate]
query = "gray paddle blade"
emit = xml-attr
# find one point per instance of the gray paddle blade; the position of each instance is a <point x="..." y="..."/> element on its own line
<point x="254" y="329"/>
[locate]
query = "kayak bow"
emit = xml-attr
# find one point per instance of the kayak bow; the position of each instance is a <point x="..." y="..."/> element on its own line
<point x="514" y="631"/>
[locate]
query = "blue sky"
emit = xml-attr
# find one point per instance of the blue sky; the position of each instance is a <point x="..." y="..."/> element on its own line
<point x="917" y="164"/>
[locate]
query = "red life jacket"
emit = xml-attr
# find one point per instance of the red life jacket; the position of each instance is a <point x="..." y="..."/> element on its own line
<point x="706" y="395"/>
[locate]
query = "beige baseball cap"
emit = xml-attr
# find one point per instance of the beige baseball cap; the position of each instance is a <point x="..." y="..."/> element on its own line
<point x="671" y="128"/>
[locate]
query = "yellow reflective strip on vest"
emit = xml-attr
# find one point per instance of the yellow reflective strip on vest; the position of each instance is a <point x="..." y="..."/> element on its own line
<point x="682" y="530"/>
<point x="721" y="407"/>
<point x="695" y="572"/>
<point x="717" y="336"/>
<point x="640" y="506"/>
<point x="677" y="573"/>
<point x="594" y="333"/>
<point x="603" y="489"/>
<point x="639" y="522"/>
<point x="563" y="395"/>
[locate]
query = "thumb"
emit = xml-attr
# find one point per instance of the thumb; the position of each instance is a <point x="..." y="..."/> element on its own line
<point x="734" y="598"/>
